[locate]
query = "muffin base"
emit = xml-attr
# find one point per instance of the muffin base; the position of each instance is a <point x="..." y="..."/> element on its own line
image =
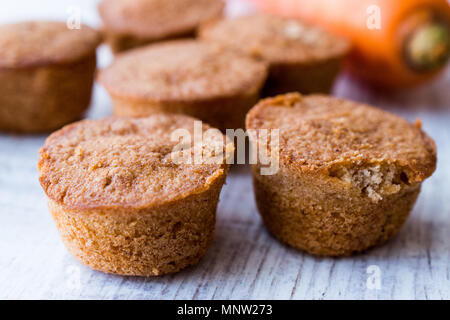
<point x="222" y="113"/>
<point x="316" y="77"/>
<point x="42" y="99"/>
<point x="313" y="214"/>
<point x="146" y="242"/>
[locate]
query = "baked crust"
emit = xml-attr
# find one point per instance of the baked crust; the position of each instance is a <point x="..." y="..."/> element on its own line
<point x="300" y="57"/>
<point x="322" y="133"/>
<point x="124" y="162"/>
<point x="200" y="79"/>
<point x="44" y="43"/>
<point x="349" y="173"/>
<point x="277" y="40"/>
<point x="120" y="201"/>
<point x="129" y="24"/>
<point x="183" y="70"/>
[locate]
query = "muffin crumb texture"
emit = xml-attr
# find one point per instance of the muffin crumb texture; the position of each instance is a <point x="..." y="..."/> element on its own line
<point x="374" y="181"/>
<point x="275" y="39"/>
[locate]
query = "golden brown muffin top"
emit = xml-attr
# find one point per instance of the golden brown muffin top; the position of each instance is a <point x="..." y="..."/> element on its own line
<point x="157" y="19"/>
<point x="125" y="163"/>
<point x="319" y="132"/>
<point x="40" y="43"/>
<point x="277" y="40"/>
<point x="183" y="70"/>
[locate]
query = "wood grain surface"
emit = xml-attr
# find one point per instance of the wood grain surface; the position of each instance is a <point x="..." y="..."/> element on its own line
<point x="244" y="262"/>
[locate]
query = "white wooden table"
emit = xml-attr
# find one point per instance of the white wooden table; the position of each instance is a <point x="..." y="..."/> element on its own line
<point x="244" y="262"/>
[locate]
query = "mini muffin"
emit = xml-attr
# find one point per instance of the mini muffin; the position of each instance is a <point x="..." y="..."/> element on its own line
<point x="301" y="57"/>
<point x="122" y="199"/>
<point x="129" y="24"/>
<point x="202" y="80"/>
<point x="47" y="73"/>
<point x="349" y="174"/>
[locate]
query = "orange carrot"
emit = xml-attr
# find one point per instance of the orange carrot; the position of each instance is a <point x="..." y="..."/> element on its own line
<point x="397" y="43"/>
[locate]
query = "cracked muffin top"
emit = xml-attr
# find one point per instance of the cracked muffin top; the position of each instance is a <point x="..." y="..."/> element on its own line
<point x="120" y="162"/>
<point x="157" y="18"/>
<point x="182" y="70"/>
<point x="40" y="43"/>
<point x="277" y="40"/>
<point x="345" y="139"/>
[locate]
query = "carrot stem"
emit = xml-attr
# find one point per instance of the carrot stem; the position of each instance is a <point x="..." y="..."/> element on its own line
<point x="428" y="48"/>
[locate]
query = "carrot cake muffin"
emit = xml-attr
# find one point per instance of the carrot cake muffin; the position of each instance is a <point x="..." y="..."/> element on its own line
<point x="123" y="201"/>
<point x="301" y="57"/>
<point x="349" y="174"/>
<point x="129" y="24"/>
<point x="46" y="72"/>
<point x="199" y="79"/>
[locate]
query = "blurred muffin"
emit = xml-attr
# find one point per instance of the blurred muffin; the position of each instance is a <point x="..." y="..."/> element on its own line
<point x="129" y="24"/>
<point x="349" y="174"/>
<point x="202" y="80"/>
<point x="122" y="201"/>
<point x="301" y="57"/>
<point x="47" y="72"/>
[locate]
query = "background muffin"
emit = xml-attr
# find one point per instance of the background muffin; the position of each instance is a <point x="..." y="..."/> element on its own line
<point x="46" y="72"/>
<point x="301" y="57"/>
<point x="130" y="24"/>
<point x="121" y="203"/>
<point x="349" y="173"/>
<point x="203" y="80"/>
